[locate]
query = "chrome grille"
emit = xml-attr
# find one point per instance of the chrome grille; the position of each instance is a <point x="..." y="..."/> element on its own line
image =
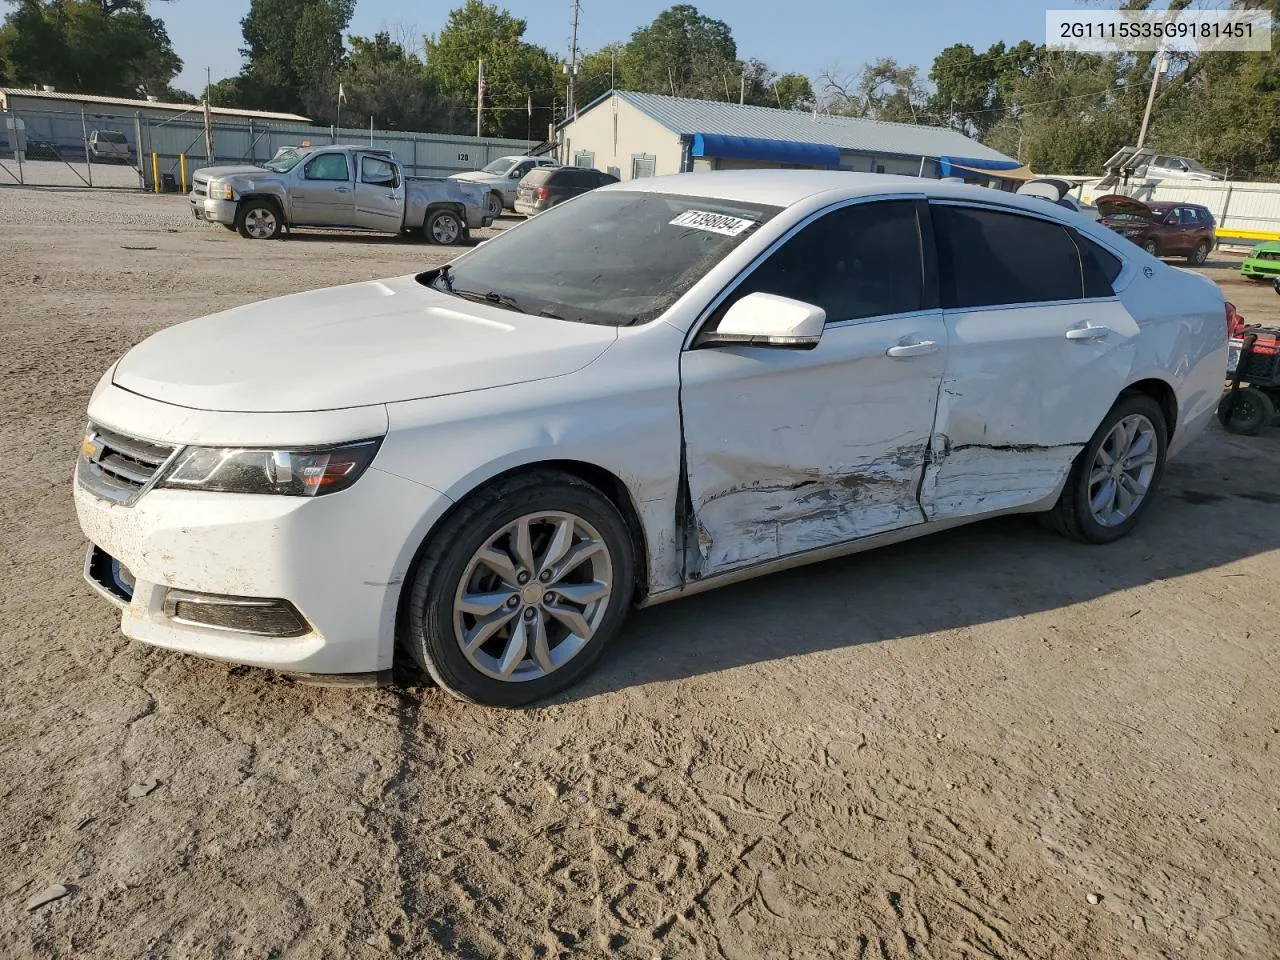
<point x="118" y="467"/>
<point x="1268" y="255"/>
<point x="199" y="187"/>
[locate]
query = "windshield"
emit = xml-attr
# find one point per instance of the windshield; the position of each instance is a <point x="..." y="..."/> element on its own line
<point x="501" y="165"/>
<point x="612" y="256"/>
<point x="286" y="159"/>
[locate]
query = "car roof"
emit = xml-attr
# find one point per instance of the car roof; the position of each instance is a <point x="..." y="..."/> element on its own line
<point x="785" y="188"/>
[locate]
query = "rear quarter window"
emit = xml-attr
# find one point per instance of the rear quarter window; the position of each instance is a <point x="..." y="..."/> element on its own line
<point x="1099" y="268"/>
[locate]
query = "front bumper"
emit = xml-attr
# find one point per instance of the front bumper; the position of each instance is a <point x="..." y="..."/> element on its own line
<point x="214" y="210"/>
<point x="1260" y="268"/>
<point x="340" y="560"/>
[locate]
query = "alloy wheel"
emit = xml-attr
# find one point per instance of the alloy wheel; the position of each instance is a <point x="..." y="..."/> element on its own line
<point x="1122" y="470"/>
<point x="260" y="223"/>
<point x="445" y="229"/>
<point x="532" y="596"/>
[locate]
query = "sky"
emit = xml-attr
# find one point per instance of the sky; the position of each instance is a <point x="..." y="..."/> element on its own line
<point x="794" y="36"/>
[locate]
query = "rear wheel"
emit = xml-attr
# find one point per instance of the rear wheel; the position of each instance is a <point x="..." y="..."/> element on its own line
<point x="444" y="227"/>
<point x="493" y="205"/>
<point x="259" y="220"/>
<point x="1114" y="477"/>
<point x="1200" y="254"/>
<point x="1152" y="247"/>
<point x="520" y="590"/>
<point x="1246" y="411"/>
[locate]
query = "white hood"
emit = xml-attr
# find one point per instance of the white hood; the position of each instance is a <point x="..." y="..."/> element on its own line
<point x="351" y="346"/>
<point x="479" y="176"/>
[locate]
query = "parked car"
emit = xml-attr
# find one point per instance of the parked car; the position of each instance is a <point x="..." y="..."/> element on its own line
<point x="544" y="187"/>
<point x="1178" y="168"/>
<point x="108" y="146"/>
<point x="502" y="177"/>
<point x="1263" y="261"/>
<point x="1163" y="229"/>
<point x="343" y="188"/>
<point x="41" y="150"/>
<point x="664" y="386"/>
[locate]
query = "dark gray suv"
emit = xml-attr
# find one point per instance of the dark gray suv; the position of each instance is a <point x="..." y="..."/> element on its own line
<point x="548" y="186"/>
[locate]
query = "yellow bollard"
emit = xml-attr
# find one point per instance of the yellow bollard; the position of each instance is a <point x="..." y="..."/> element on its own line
<point x="182" y="168"/>
<point x="155" y="172"/>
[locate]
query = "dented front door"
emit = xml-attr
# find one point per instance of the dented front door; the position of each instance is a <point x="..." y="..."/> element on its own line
<point x="788" y="450"/>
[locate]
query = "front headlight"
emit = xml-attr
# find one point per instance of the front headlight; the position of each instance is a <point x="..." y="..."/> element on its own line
<point x="227" y="192"/>
<point x="291" y="473"/>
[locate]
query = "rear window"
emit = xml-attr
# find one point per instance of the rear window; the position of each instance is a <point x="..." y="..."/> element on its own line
<point x="538" y="176"/>
<point x="110" y="136"/>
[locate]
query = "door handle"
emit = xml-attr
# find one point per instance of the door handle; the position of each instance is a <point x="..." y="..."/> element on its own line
<point x="1088" y="332"/>
<point x="917" y="349"/>
<point x="342" y="190"/>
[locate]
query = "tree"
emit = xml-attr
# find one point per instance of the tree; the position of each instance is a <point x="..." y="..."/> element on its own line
<point x="516" y="73"/>
<point x="383" y="80"/>
<point x="682" y="53"/>
<point x="974" y="88"/>
<point x="111" y="47"/>
<point x="293" y="52"/>
<point x="792" y="91"/>
<point x="882" y="90"/>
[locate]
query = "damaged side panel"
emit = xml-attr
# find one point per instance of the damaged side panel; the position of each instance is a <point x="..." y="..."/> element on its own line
<point x="789" y="451"/>
<point x="1020" y="400"/>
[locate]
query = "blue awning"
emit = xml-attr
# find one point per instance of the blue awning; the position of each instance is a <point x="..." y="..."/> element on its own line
<point x="958" y="166"/>
<point x="773" y="151"/>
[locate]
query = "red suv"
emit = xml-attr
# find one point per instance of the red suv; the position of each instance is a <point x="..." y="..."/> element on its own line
<point x="1163" y="229"/>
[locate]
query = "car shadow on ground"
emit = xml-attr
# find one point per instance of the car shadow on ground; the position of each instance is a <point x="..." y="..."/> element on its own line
<point x="987" y="572"/>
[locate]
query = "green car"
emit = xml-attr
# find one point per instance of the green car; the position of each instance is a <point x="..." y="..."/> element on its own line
<point x="1263" y="261"/>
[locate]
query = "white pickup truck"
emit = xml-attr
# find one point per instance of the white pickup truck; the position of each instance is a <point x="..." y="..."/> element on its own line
<point x="336" y="187"/>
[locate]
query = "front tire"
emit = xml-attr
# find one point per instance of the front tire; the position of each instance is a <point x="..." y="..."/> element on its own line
<point x="259" y="220"/>
<point x="1115" y="476"/>
<point x="1199" y="255"/>
<point x="1152" y="248"/>
<point x="517" y="594"/>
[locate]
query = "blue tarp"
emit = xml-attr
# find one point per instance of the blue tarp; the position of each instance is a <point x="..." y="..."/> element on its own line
<point x="947" y="166"/>
<point x="774" y="151"/>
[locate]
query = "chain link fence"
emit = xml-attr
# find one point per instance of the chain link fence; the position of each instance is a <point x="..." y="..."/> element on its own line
<point x="78" y="148"/>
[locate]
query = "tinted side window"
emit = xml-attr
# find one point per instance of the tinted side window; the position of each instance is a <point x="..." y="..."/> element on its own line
<point x="328" y="166"/>
<point x="1099" y="267"/>
<point x="859" y="261"/>
<point x="988" y="259"/>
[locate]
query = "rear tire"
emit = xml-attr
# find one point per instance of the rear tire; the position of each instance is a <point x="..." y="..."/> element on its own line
<point x="444" y="227"/>
<point x="493" y="205"/>
<point x="454" y="592"/>
<point x="1246" y="411"/>
<point x="1152" y="248"/>
<point x="1076" y="515"/>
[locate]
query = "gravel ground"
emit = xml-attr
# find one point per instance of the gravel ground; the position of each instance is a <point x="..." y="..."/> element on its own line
<point x="988" y="743"/>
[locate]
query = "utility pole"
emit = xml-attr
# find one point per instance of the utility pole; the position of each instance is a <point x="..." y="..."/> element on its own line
<point x="479" y="97"/>
<point x="1161" y="66"/>
<point x="572" y="103"/>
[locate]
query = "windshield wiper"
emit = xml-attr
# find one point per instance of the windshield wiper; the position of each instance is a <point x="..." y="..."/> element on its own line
<point x="491" y="296"/>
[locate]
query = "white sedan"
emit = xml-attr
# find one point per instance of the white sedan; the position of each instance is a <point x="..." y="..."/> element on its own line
<point x="656" y="388"/>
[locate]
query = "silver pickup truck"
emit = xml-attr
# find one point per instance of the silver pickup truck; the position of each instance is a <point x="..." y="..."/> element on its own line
<point x="338" y="187"/>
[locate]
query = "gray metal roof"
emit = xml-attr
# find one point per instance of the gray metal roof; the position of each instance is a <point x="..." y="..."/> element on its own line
<point x="687" y="117"/>
<point x="56" y="95"/>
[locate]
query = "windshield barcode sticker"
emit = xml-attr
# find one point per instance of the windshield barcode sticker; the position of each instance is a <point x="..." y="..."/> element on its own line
<point x="712" y="222"/>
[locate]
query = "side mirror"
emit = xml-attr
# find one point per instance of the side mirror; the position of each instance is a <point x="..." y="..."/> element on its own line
<point x="515" y="174"/>
<point x="768" y="320"/>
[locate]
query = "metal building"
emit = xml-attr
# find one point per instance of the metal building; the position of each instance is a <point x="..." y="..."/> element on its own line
<point x="645" y="134"/>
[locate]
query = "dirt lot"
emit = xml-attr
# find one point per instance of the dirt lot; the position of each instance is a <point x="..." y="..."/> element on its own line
<point x="990" y="743"/>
